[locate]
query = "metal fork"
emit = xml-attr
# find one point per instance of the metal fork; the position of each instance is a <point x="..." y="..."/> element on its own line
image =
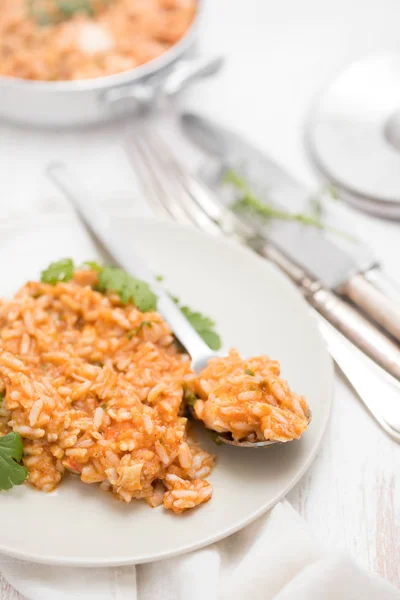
<point x="173" y="192"/>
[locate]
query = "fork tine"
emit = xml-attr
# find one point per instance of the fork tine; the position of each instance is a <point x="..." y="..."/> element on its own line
<point x="205" y="207"/>
<point x="167" y="189"/>
<point x="144" y="171"/>
<point x="167" y="172"/>
<point x="186" y="199"/>
<point x="198" y="192"/>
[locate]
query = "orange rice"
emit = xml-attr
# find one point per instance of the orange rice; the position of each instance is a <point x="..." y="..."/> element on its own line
<point x="122" y="34"/>
<point x="249" y="399"/>
<point x="99" y="389"/>
<point x="93" y="392"/>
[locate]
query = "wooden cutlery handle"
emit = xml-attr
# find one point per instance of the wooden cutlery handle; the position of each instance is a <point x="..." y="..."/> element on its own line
<point x="378" y="297"/>
<point x="349" y="321"/>
<point x="376" y="344"/>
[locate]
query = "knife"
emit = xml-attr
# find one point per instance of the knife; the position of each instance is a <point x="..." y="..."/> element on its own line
<point x="351" y="271"/>
<point x="99" y="225"/>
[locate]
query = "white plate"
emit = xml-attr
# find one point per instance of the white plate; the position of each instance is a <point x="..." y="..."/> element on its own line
<point x="258" y="311"/>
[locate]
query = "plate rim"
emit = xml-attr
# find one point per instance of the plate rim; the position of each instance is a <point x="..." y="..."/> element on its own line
<point x="154" y="557"/>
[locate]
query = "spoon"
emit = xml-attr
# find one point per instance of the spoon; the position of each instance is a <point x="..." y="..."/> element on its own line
<point x="99" y="224"/>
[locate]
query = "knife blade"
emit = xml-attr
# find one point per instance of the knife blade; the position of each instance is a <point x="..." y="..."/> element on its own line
<point x="349" y="269"/>
<point x="98" y="223"/>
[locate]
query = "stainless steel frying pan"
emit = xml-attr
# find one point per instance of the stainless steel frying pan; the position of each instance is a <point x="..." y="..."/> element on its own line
<point x="67" y="103"/>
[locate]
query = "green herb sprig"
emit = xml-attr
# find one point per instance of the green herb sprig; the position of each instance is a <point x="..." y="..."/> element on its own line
<point x="204" y="326"/>
<point x="251" y="205"/>
<point x="11" y="472"/>
<point x="249" y="202"/>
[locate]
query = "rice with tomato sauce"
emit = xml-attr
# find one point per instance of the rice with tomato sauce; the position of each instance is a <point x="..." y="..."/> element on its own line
<point x="249" y="400"/>
<point x="96" y="388"/>
<point x="117" y="36"/>
<point x="99" y="389"/>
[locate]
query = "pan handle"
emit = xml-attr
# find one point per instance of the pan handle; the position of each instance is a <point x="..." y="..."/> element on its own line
<point x="148" y="95"/>
<point x="188" y="72"/>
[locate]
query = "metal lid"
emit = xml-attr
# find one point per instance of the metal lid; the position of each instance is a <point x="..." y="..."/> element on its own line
<point x="353" y="134"/>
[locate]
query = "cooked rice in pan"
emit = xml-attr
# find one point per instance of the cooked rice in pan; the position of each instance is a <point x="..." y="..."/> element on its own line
<point x="118" y="36"/>
<point x="98" y="388"/>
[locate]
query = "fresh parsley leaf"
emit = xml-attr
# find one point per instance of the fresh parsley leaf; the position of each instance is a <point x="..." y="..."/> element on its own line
<point x="141" y="294"/>
<point x="198" y="321"/>
<point x="212" y="339"/>
<point x="160" y="277"/>
<point x="204" y="327"/>
<point x="249" y="372"/>
<point x="111" y="279"/>
<point x="127" y="287"/>
<point x="12" y="446"/>
<point x="202" y="324"/>
<point x="135" y="331"/>
<point x="62" y="270"/>
<point x="91" y="265"/>
<point x="2" y="396"/>
<point x="11" y="472"/>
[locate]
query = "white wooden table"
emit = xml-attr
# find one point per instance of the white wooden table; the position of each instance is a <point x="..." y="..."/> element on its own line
<point x="279" y="54"/>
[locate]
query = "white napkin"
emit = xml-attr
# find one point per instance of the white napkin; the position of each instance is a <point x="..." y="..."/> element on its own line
<point x="274" y="558"/>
